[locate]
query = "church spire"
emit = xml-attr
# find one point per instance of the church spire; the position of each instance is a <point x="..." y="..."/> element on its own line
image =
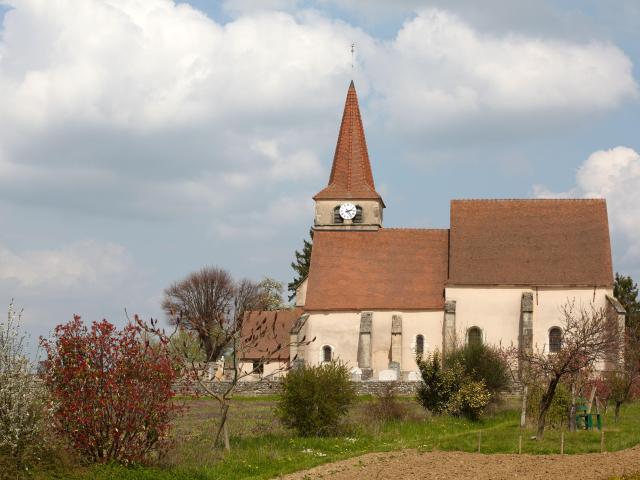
<point x="351" y="176"/>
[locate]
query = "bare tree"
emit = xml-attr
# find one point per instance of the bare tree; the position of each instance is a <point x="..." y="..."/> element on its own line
<point x="213" y="306"/>
<point x="589" y="336"/>
<point x="624" y="383"/>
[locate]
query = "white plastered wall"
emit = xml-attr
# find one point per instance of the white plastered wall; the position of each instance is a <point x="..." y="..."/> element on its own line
<point x="341" y="331"/>
<point x="273" y="369"/>
<point x="496" y="310"/>
<point x="301" y="293"/>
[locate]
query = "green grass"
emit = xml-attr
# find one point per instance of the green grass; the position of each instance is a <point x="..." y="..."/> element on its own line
<point x="262" y="449"/>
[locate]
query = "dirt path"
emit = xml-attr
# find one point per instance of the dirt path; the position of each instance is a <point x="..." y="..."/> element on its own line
<point x="411" y="464"/>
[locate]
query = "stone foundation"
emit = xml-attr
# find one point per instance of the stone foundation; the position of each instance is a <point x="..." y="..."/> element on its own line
<point x="256" y="389"/>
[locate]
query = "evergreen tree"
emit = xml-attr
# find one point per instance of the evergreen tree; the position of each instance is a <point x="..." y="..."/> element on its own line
<point x="626" y="291"/>
<point x="301" y="266"/>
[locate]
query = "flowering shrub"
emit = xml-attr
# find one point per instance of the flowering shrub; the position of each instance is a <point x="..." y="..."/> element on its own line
<point x="437" y="385"/>
<point x="22" y="405"/>
<point x="112" y="388"/>
<point x="451" y="390"/>
<point x="470" y="400"/>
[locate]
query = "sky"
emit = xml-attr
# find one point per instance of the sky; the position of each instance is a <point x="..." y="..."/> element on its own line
<point x="141" y="140"/>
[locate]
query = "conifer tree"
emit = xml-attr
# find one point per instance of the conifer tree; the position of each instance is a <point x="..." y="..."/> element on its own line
<point x="301" y="266"/>
<point x="626" y="291"/>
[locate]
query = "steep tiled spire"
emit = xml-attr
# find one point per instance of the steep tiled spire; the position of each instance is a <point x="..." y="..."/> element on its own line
<point x="351" y="176"/>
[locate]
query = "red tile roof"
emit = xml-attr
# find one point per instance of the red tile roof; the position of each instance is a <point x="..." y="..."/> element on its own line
<point x="262" y="332"/>
<point x="351" y="176"/>
<point x="393" y="269"/>
<point x="530" y="242"/>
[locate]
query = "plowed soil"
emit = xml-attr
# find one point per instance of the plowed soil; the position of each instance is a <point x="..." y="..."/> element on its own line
<point x="411" y="464"/>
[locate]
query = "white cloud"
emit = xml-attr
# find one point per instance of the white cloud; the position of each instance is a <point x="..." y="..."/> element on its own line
<point x="241" y="7"/>
<point x="151" y="64"/>
<point x="154" y="109"/>
<point x="439" y="72"/>
<point x="267" y="222"/>
<point x="615" y="175"/>
<point x="296" y="166"/>
<point x="86" y="264"/>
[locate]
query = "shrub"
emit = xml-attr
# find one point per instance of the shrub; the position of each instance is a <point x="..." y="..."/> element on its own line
<point x="470" y="400"/>
<point x="386" y="405"/>
<point x="558" y="413"/>
<point x="437" y="385"/>
<point x="315" y="398"/>
<point x="23" y="412"/>
<point x="113" y="390"/>
<point x="482" y="363"/>
<point x="450" y="390"/>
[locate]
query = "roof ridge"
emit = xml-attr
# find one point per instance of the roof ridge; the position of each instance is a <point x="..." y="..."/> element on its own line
<point x="414" y="229"/>
<point x="591" y="199"/>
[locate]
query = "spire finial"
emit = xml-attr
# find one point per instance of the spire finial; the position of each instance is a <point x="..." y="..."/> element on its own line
<point x="353" y="50"/>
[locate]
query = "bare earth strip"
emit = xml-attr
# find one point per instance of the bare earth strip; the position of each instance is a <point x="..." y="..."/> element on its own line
<point x="411" y="464"/>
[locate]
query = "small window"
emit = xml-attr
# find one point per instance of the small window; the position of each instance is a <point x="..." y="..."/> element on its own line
<point x="358" y="217"/>
<point x="327" y="354"/>
<point x="474" y="336"/>
<point x="336" y="215"/>
<point x="555" y="340"/>
<point x="420" y="345"/>
<point x="258" y="367"/>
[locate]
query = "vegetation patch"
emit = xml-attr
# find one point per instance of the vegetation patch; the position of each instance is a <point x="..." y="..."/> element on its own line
<point x="263" y="448"/>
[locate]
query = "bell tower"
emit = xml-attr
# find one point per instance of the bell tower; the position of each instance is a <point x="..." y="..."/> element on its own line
<point x="350" y="200"/>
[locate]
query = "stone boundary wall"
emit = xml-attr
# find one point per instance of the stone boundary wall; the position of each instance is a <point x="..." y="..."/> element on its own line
<point x="272" y="387"/>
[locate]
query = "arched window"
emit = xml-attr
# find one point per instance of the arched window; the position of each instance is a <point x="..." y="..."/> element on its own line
<point x="336" y="215"/>
<point x="555" y="340"/>
<point x="327" y="353"/>
<point x="358" y="217"/>
<point x="258" y="367"/>
<point x="474" y="336"/>
<point x="420" y="345"/>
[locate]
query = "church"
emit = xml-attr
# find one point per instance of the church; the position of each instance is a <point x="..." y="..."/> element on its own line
<point x="376" y="297"/>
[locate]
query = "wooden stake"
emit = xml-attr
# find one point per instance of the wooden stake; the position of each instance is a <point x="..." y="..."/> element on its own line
<point x="523" y="411"/>
<point x="602" y="441"/>
<point x="562" y="443"/>
<point x="479" y="440"/>
<point x="592" y="397"/>
<point x="520" y="445"/>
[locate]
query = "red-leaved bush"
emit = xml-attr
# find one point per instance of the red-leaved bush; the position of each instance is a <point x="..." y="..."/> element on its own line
<point x="112" y="390"/>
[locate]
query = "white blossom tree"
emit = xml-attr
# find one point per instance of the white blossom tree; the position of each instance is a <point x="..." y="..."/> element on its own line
<point x="22" y="404"/>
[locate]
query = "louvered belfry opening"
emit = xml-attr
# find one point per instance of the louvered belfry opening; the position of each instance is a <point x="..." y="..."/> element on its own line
<point x="358" y="217"/>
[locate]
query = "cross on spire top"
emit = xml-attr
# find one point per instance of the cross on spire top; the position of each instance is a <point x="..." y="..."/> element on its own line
<point x="353" y="50"/>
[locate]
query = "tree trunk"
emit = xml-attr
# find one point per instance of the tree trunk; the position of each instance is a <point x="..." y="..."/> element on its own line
<point x="523" y="412"/>
<point x="545" y="404"/>
<point x="223" y="420"/>
<point x="227" y="445"/>
<point x="617" y="412"/>
<point x="572" y="409"/>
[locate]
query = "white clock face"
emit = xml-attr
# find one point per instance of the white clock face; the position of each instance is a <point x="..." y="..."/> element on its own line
<point x="347" y="211"/>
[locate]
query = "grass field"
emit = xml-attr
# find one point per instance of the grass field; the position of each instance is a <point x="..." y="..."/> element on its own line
<point x="262" y="449"/>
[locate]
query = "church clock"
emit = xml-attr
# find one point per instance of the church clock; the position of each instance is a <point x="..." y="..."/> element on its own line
<point x="347" y="211"/>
